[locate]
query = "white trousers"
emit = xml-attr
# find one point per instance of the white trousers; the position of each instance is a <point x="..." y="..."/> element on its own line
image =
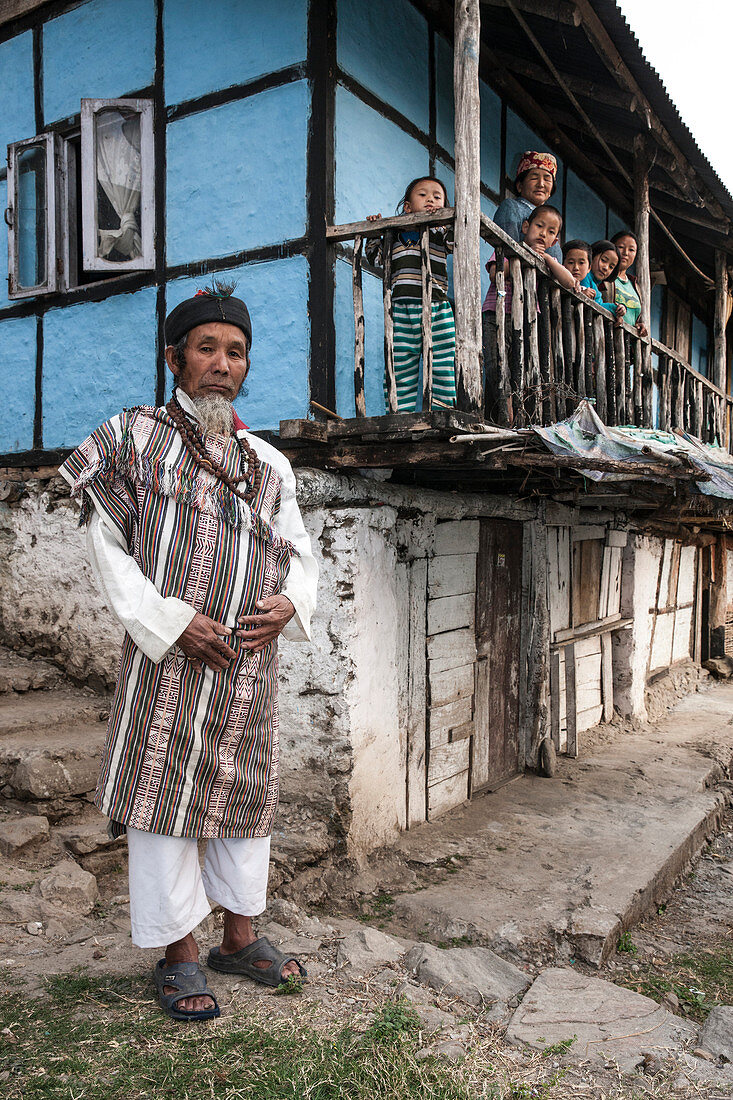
<point x="169" y="888"/>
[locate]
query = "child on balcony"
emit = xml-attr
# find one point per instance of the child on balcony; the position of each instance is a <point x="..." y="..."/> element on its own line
<point x="579" y="258"/>
<point x="539" y="232"/>
<point x="424" y="195"/>
<point x="625" y="287"/>
<point x="535" y="183"/>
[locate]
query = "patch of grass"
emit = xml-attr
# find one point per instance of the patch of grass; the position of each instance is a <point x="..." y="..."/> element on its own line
<point x="378" y="908"/>
<point x="626" y="944"/>
<point x="559" y="1048"/>
<point x="292" y="984"/>
<point x="104" y="1038"/>
<point x="699" y="980"/>
<point x="393" y="1021"/>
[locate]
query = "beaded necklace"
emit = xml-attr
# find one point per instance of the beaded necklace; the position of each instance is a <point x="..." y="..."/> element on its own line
<point x="194" y="444"/>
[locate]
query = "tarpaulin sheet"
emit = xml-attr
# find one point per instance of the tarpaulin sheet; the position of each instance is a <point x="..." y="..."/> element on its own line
<point x="586" y="436"/>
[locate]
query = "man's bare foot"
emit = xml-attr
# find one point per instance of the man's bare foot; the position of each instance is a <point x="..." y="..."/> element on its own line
<point x="239" y="933"/>
<point x="186" y="950"/>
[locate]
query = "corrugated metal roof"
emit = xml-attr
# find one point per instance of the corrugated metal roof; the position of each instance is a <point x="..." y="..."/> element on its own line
<point x="659" y="98"/>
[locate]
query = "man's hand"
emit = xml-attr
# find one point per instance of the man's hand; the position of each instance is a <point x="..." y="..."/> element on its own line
<point x="202" y="643"/>
<point x="259" y="630"/>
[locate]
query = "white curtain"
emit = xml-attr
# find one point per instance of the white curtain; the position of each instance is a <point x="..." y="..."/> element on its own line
<point x="119" y="173"/>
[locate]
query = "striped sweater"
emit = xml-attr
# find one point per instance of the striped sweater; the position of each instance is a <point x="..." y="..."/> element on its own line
<point x="406" y="268"/>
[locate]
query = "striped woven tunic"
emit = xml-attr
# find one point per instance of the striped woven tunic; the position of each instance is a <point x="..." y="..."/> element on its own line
<point x="192" y="753"/>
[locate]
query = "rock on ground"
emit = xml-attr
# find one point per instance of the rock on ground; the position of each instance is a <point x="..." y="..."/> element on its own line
<point x="70" y="887"/>
<point x="475" y="974"/>
<point x="717" y="1032"/>
<point x="603" y="1020"/>
<point x="365" y="948"/>
<point x="20" y="832"/>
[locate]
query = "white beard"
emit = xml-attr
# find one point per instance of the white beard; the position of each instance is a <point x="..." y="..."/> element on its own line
<point x="215" y="414"/>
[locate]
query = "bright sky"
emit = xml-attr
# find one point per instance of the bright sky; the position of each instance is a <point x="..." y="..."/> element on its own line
<point x="689" y="44"/>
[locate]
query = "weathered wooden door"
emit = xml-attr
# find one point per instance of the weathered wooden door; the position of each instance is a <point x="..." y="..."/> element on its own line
<point x="495" y="755"/>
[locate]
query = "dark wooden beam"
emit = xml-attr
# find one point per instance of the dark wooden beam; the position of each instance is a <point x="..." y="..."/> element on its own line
<point x="556" y="11"/>
<point x="586" y="89"/>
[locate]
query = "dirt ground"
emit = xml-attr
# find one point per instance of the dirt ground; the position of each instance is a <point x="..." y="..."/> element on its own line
<point x="695" y="924"/>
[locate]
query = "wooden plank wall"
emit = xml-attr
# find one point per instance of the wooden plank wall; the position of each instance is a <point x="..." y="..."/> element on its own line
<point x="583" y="588"/>
<point x="672" y="637"/>
<point x="451" y="657"/>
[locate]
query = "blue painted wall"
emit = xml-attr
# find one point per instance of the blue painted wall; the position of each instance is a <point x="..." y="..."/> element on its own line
<point x="585" y="213"/>
<point x="490" y="116"/>
<point x="18" y="382"/>
<point x="17" y="118"/>
<point x="237" y="175"/>
<point x="209" y="46"/>
<point x="375" y="160"/>
<point x="276" y="294"/>
<point x="373" y="342"/>
<point x="98" y="357"/>
<point x="102" y="49"/>
<point x="384" y="45"/>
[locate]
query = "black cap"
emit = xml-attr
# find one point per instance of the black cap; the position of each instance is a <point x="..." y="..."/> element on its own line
<point x="211" y="304"/>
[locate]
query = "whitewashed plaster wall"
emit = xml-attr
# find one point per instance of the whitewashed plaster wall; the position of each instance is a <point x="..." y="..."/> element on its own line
<point x="639" y="574"/>
<point x="631" y="652"/>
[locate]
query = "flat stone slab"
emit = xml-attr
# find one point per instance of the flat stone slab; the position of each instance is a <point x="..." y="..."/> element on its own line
<point x="19" y="832"/>
<point x="365" y="948"/>
<point x="717" y="1032"/>
<point x="475" y="974"/>
<point x="604" y="1021"/>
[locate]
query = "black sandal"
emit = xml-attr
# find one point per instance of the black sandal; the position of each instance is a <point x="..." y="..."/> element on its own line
<point x="242" y="962"/>
<point x="188" y="980"/>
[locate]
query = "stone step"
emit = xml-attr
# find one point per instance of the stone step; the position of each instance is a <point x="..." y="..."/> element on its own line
<point x="50" y="746"/>
<point x="39" y="715"/>
<point x="19" y="674"/>
<point x="62" y="763"/>
<point x="558" y="868"/>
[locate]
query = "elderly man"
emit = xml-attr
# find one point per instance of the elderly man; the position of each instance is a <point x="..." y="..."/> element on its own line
<point x="197" y="544"/>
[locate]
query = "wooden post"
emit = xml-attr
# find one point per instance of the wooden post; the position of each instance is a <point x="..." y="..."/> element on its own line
<point x="638" y="368"/>
<point x="504" y="381"/>
<point x="517" y="346"/>
<point x="698" y="408"/>
<point x="599" y="348"/>
<point x="590" y="382"/>
<point x="619" y="348"/>
<point x="549" y="403"/>
<point x="389" y="323"/>
<point x="467" y="259"/>
<point x="558" y="353"/>
<point x="642" y="209"/>
<point x="427" y="319"/>
<point x="359" y="399"/>
<point x="610" y="373"/>
<point x="719" y="324"/>
<point x="580" y="349"/>
<point x="663" y="378"/>
<point x="568" y="341"/>
<point x="533" y="385"/>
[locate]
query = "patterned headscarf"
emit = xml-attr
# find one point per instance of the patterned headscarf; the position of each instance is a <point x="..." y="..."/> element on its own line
<point x="532" y="159"/>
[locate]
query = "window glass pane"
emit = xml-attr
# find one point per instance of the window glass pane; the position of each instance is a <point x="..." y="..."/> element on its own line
<point x="31" y="217"/>
<point x="119" y="182"/>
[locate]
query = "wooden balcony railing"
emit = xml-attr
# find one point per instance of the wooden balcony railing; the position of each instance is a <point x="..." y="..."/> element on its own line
<point x="564" y="351"/>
